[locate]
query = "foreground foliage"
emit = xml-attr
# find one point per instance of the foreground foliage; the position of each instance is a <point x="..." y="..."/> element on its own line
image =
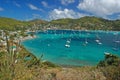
<point x="110" y="67"/>
<point x="20" y="68"/>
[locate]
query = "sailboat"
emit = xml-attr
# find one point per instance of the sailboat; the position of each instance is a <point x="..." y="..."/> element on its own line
<point x="68" y="43"/>
<point x="86" y="41"/>
<point x="98" y="39"/>
<point x="106" y="53"/>
<point x="117" y="41"/>
<point x="115" y="48"/>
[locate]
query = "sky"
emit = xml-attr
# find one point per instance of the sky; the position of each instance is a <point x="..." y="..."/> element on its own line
<point x="57" y="9"/>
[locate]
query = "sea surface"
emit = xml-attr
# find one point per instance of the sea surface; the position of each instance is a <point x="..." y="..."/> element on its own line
<point x="74" y="48"/>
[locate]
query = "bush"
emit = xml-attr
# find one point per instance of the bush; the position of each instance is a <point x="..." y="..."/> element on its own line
<point x="111" y="72"/>
<point x="110" y="67"/>
<point x="110" y="60"/>
<point x="49" y="64"/>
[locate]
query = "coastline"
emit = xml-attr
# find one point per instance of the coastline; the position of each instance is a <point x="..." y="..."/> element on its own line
<point x="111" y="31"/>
<point x="28" y="38"/>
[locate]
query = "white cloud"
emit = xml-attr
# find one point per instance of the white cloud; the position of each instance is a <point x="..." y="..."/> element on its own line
<point x="45" y="4"/>
<point x="16" y="4"/>
<point x="33" y="16"/>
<point x="101" y="8"/>
<point x="1" y="9"/>
<point x="66" y="13"/>
<point x="66" y="2"/>
<point x="118" y="17"/>
<point x="36" y="16"/>
<point x="31" y="6"/>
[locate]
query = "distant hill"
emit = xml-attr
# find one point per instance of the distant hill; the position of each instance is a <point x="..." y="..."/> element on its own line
<point x="13" y="24"/>
<point x="90" y="23"/>
<point x="37" y="21"/>
<point x="93" y="23"/>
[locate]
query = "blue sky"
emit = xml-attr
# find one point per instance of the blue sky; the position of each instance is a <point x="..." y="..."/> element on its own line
<point x="56" y="9"/>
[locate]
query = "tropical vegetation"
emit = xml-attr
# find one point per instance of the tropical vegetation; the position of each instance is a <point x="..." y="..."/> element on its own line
<point x="89" y="23"/>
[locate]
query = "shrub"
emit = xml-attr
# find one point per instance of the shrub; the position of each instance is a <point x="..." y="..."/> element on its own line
<point x="110" y="67"/>
<point x="110" y="60"/>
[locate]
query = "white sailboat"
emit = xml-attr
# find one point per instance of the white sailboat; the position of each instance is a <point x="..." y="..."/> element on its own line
<point x="106" y="53"/>
<point x="68" y="43"/>
<point x="99" y="43"/>
<point x="87" y="34"/>
<point x="115" y="48"/>
<point x="86" y="42"/>
<point x="98" y="39"/>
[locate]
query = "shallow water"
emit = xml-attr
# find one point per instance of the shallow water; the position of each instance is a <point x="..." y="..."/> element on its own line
<point x="85" y="47"/>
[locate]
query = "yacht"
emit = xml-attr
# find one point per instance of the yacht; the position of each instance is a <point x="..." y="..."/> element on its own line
<point x="67" y="45"/>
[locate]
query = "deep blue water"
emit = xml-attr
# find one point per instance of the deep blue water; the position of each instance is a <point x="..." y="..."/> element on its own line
<point x="85" y="47"/>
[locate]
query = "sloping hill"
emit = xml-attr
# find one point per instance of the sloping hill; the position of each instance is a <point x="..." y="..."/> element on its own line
<point x="11" y="24"/>
<point x="90" y="23"/>
<point x="37" y="21"/>
<point x="93" y="23"/>
<point x="62" y="21"/>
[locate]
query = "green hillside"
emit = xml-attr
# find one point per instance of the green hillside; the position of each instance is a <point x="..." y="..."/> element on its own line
<point x="93" y="23"/>
<point x="37" y="21"/>
<point x="13" y="24"/>
<point x="90" y="23"/>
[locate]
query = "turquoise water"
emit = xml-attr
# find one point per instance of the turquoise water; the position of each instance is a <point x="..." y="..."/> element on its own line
<point x="84" y="47"/>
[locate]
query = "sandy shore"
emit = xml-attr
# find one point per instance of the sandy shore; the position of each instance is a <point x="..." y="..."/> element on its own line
<point x="28" y="38"/>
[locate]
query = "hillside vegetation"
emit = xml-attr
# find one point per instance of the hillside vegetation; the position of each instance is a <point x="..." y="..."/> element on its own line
<point x="13" y="24"/>
<point x="89" y="23"/>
